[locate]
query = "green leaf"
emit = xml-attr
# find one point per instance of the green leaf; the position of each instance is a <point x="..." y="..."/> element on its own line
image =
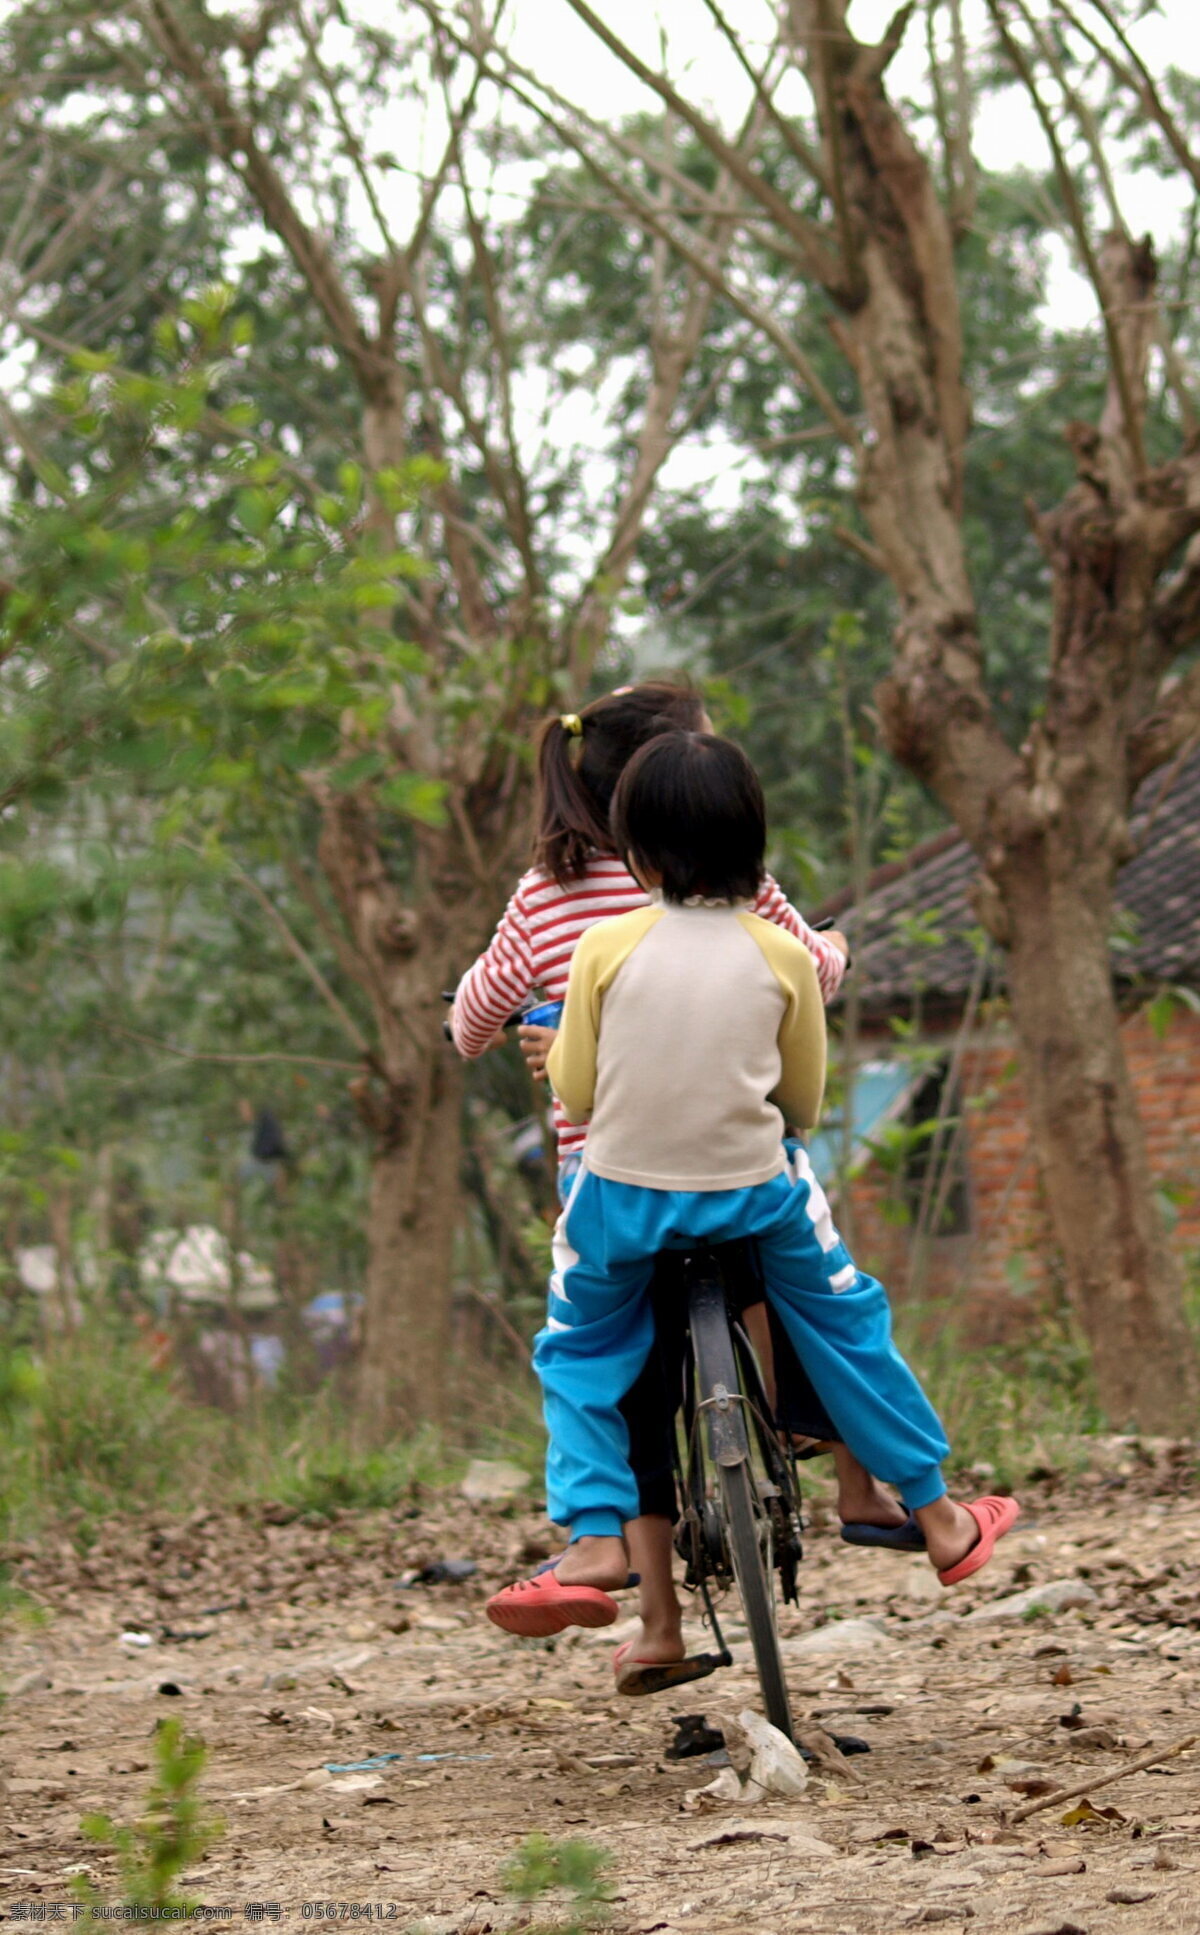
<point x="144" y="752"/>
<point x="314" y="745"/>
<point x="350" y="482"/>
<point x="289" y="697"/>
<point x="416" y="796"/>
<point x="94" y="360"/>
<point x="373" y="597"/>
<point x="256" y="509"/>
<point x="357" y="771"/>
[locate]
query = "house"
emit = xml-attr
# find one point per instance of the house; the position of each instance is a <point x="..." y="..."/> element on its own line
<point x="935" y="1177"/>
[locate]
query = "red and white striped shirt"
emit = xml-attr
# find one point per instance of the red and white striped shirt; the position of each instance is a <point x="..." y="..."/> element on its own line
<point x="538" y="933"/>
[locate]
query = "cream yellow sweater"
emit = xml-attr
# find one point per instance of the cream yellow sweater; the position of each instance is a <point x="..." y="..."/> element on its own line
<point x="690" y="1035"/>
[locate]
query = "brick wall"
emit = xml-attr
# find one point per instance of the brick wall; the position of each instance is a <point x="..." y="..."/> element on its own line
<point x="995" y="1278"/>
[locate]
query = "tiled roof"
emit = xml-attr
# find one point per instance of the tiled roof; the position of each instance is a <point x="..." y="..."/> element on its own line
<point x="1158" y="903"/>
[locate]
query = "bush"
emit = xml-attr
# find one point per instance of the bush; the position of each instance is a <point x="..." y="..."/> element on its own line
<point x="93" y="1430"/>
<point x="1013" y="1407"/>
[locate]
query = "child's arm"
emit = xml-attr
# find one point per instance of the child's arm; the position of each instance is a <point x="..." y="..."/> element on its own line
<point x="802" y="1047"/>
<point x="496" y="986"/>
<point x="571" y="1063"/>
<point x="827" y="948"/>
<point x="802" y="1031"/>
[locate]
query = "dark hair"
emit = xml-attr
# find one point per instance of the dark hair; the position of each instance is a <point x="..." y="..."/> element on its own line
<point x="689" y="807"/>
<point x="575" y="795"/>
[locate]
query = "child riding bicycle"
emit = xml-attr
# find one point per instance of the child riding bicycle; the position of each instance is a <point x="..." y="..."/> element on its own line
<point x="576" y="880"/>
<point x="692" y="1031"/>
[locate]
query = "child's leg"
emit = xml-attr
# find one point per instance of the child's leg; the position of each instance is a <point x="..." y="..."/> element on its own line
<point x="597" y="1336"/>
<point x="840" y="1324"/>
<point x="861" y="1499"/>
<point x="648" y="1409"/>
<point x="651" y="1541"/>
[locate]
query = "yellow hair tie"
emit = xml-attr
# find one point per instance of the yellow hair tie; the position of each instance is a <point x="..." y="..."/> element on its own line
<point x="571" y="724"/>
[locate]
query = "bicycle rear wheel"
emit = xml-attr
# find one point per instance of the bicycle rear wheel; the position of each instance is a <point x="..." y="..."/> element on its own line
<point x="746" y="1524"/>
<point x="749" y="1534"/>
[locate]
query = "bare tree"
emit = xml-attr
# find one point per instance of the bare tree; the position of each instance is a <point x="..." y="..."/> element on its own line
<point x="870" y="238"/>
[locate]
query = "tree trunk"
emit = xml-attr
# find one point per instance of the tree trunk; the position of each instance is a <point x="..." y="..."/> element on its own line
<point x="412" y="1218"/>
<point x="1120" y="1274"/>
<point x="1049" y="821"/>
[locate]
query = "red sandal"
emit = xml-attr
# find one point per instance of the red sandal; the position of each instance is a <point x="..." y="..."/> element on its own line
<point x="539" y="1607"/>
<point x="994" y="1517"/>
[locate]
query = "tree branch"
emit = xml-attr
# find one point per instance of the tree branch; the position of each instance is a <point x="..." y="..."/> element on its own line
<point x="437" y="181"/>
<point x="232" y="137"/>
<point x="831" y="124"/>
<point x="868" y="552"/>
<point x="822" y="263"/>
<point x="352" y="143"/>
<point x="1083" y="113"/>
<point x="516" y="496"/>
<point x="1173" y="727"/>
<point x="808" y="160"/>
<point x="1138" y="76"/>
<point x="349" y="959"/>
<point x="299" y="952"/>
<point x="1175" y="620"/>
<point x="647" y="217"/>
<point x="198" y="1055"/>
<point x="1120" y="373"/>
<point x="474" y="603"/>
<point x="967" y="182"/>
<point x="79" y="219"/>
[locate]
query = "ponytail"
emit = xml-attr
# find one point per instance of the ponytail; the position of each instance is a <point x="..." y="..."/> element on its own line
<point x="581" y="756"/>
<point x="569" y="826"/>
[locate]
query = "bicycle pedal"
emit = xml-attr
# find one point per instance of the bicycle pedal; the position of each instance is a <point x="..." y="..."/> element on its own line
<point x="677" y="1673"/>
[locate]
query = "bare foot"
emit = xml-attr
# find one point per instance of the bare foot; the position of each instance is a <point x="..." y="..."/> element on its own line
<point x="950" y="1532"/>
<point x="651" y="1552"/>
<point x="862" y="1500"/>
<point x="594" y="1561"/>
<point x="657" y="1645"/>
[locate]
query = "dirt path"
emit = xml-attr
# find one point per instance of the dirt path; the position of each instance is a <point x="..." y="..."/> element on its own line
<point x="316" y="1656"/>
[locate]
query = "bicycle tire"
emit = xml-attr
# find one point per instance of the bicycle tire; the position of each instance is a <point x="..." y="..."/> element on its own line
<point x="716" y="1365"/>
<point x="755" y="1590"/>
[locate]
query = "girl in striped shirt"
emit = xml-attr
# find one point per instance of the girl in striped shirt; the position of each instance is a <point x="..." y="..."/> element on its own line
<point x="576" y="880"/>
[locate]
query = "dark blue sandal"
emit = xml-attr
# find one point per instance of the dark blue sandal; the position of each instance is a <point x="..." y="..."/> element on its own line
<point x="893" y="1538"/>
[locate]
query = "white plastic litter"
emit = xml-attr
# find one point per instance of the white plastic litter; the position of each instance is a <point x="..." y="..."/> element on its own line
<point x="776" y="1766"/>
<point x="726" y="1787"/>
<point x="136" y="1639"/>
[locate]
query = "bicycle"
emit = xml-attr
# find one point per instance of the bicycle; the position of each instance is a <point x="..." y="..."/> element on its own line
<point x="739" y="1496"/>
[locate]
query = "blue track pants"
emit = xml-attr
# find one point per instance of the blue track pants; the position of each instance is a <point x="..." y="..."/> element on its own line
<point x="599" y="1331"/>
